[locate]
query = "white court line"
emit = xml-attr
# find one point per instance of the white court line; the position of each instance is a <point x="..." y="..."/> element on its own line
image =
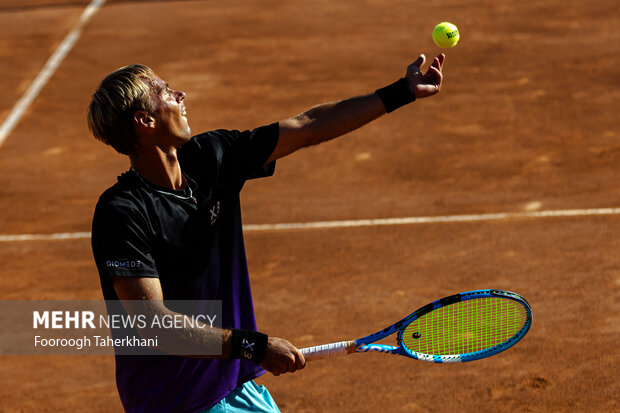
<point x="430" y="220"/>
<point x="358" y="222"/>
<point x="48" y="70"/>
<point x="44" y="237"/>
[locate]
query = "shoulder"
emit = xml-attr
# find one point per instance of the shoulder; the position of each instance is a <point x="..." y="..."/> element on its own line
<point x="213" y="143"/>
<point x="122" y="215"/>
<point x="210" y="139"/>
<point x="219" y="140"/>
<point x="237" y="153"/>
<point x="123" y="201"/>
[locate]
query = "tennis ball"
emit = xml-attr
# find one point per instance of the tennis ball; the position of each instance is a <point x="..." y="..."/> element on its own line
<point x="446" y="35"/>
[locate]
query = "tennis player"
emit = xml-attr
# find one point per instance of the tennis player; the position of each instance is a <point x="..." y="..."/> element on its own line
<point x="170" y="228"/>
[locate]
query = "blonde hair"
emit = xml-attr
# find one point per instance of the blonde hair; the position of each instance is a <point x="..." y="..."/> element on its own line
<point x="119" y="95"/>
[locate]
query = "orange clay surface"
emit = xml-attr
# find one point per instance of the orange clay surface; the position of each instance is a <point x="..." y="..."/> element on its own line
<point x="527" y="120"/>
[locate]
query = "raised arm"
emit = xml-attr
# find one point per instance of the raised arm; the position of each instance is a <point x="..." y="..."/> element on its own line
<point x="330" y="120"/>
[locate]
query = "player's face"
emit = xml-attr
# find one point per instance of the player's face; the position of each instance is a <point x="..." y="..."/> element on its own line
<point x="171" y="114"/>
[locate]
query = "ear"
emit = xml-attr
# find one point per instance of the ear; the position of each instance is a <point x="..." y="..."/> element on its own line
<point x="141" y="119"/>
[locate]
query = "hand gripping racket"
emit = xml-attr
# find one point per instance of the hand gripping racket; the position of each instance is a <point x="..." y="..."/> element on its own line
<point x="462" y="327"/>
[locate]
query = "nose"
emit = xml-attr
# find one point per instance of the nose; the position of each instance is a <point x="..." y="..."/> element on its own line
<point x="180" y="95"/>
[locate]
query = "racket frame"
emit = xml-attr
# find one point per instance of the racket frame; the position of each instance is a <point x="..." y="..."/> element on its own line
<point x="368" y="343"/>
<point x="475" y="355"/>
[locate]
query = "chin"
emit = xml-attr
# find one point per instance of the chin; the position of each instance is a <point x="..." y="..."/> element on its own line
<point x="186" y="133"/>
<point x="181" y="138"/>
<point x="188" y="130"/>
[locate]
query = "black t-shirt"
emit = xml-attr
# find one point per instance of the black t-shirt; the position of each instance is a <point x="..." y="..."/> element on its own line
<point x="192" y="241"/>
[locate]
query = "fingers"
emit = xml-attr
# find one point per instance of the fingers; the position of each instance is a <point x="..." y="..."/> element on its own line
<point x="300" y="360"/>
<point x="438" y="61"/>
<point x="282" y="357"/>
<point x="292" y="364"/>
<point x="434" y="75"/>
<point x="296" y="362"/>
<point x="414" y="68"/>
<point x="419" y="62"/>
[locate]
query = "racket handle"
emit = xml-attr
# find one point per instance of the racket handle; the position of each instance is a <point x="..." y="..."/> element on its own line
<point x="328" y="350"/>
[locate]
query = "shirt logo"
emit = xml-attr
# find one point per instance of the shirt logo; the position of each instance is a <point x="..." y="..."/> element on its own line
<point x="215" y="212"/>
<point x="123" y="263"/>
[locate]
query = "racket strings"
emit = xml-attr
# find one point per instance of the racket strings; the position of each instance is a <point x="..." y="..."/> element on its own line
<point x="465" y="327"/>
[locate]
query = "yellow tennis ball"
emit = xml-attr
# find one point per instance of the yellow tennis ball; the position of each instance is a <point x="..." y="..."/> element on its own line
<point x="446" y="35"/>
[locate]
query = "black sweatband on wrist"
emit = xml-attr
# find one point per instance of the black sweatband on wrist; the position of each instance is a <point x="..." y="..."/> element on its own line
<point x="248" y="344"/>
<point x="396" y="95"/>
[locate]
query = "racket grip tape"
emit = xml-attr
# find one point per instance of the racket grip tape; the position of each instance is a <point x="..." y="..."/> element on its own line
<point x="329" y="350"/>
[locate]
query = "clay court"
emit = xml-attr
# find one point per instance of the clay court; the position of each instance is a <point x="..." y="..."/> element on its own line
<point x="526" y="128"/>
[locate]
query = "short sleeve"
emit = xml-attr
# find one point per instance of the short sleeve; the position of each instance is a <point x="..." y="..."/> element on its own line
<point x="242" y="154"/>
<point x="121" y="243"/>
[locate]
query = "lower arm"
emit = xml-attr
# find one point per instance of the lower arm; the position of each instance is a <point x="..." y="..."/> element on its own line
<point x="330" y="120"/>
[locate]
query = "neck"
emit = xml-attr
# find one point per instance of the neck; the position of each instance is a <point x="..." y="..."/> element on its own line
<point x="158" y="167"/>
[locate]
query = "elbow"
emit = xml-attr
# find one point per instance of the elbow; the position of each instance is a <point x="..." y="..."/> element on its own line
<point x="309" y="130"/>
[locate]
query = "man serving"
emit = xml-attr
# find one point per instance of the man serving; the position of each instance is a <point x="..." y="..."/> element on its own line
<point x="173" y="220"/>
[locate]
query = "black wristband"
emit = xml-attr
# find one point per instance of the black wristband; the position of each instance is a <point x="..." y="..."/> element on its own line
<point x="248" y="344"/>
<point x="396" y="95"/>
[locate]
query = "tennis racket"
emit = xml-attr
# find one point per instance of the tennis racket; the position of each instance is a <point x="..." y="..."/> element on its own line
<point x="462" y="327"/>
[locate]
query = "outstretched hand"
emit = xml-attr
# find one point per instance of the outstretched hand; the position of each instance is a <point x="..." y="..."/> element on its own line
<point x="429" y="83"/>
